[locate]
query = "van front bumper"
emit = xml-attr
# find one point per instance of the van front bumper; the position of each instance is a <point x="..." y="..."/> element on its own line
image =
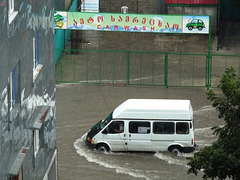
<point x="188" y="149"/>
<point x="90" y="145"/>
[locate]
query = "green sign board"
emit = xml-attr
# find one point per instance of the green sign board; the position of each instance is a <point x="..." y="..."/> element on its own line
<point x="131" y="22"/>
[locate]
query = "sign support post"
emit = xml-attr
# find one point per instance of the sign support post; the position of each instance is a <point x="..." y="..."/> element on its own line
<point x="209" y="55"/>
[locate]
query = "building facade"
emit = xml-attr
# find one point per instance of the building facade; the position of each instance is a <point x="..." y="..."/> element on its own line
<point x="27" y="90"/>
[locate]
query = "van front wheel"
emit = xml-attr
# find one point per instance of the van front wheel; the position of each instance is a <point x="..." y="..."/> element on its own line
<point x="103" y="148"/>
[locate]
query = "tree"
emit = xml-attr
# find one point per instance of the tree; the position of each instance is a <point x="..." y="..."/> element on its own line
<point x="222" y="159"/>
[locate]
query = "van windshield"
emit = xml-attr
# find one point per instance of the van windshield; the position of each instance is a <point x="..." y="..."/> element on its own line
<point x="105" y="121"/>
<point x="99" y="126"/>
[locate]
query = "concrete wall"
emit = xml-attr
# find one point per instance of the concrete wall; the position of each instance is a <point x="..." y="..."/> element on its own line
<point x="134" y="6"/>
<point x="16" y="50"/>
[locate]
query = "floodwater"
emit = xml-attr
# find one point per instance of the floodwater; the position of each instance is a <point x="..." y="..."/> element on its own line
<point x="79" y="107"/>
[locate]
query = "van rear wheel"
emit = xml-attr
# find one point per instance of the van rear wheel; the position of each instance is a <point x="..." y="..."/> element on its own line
<point x="176" y="150"/>
<point x="103" y="148"/>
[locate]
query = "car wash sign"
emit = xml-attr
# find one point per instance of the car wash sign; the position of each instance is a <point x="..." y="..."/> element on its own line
<point x="131" y="22"/>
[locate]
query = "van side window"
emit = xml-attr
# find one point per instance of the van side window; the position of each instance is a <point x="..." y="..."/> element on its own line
<point x="116" y="127"/>
<point x="182" y="128"/>
<point x="139" y="127"/>
<point x="163" y="127"/>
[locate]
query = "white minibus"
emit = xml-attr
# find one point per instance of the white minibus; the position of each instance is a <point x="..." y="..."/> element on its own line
<point x="145" y="125"/>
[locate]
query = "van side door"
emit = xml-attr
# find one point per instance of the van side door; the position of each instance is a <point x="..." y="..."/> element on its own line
<point x="139" y="136"/>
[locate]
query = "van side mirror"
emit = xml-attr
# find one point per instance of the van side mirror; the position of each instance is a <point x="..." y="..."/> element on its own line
<point x="104" y="131"/>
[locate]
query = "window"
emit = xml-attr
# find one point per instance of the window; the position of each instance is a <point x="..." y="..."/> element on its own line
<point x="116" y="127"/>
<point x="35" y="52"/>
<point x="182" y="128"/>
<point x="14" y="86"/>
<point x="11" y="11"/>
<point x="12" y="89"/>
<point x="140" y="127"/>
<point x="39" y="116"/>
<point x="36" y="66"/>
<point x="36" y="141"/>
<point x="163" y="127"/>
<point x="195" y="21"/>
<point x="10" y="6"/>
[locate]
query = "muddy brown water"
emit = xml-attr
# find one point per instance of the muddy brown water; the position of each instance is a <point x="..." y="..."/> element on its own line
<point x="79" y="107"/>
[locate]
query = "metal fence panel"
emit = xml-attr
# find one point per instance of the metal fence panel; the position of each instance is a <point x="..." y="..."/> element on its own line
<point x="113" y="67"/>
<point x="187" y="70"/>
<point x="81" y="66"/>
<point x="146" y="68"/>
<point x="65" y="68"/>
<point x="143" y="68"/>
<point x="219" y="65"/>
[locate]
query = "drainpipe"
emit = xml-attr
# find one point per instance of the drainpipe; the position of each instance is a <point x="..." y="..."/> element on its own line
<point x="137" y="7"/>
<point x="159" y="2"/>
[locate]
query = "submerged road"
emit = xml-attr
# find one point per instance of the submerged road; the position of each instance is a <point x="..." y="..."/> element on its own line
<point x="79" y="107"/>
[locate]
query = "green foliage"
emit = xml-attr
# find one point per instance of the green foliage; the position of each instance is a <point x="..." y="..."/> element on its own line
<point x="222" y="159"/>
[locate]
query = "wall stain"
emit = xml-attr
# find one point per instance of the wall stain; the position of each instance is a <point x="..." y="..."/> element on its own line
<point x="33" y="21"/>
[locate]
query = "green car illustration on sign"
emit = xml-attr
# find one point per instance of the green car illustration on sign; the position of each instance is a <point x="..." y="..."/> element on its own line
<point x="58" y="18"/>
<point x="195" y="24"/>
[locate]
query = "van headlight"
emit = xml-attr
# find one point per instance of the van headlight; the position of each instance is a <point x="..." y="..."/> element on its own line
<point x="90" y="140"/>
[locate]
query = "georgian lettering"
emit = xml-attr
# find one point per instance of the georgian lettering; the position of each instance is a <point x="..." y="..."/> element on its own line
<point x="159" y="24"/>
<point x="144" y="20"/>
<point x="135" y="20"/>
<point x="127" y="19"/>
<point x="75" y="22"/>
<point x="120" y="19"/>
<point x="100" y="19"/>
<point x="175" y="26"/>
<point x="81" y="21"/>
<point x="90" y="20"/>
<point x="112" y="19"/>
<point x="167" y="26"/>
<point x="152" y="22"/>
<point x="123" y="22"/>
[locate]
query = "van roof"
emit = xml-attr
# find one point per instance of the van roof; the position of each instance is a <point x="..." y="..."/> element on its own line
<point x="154" y="109"/>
